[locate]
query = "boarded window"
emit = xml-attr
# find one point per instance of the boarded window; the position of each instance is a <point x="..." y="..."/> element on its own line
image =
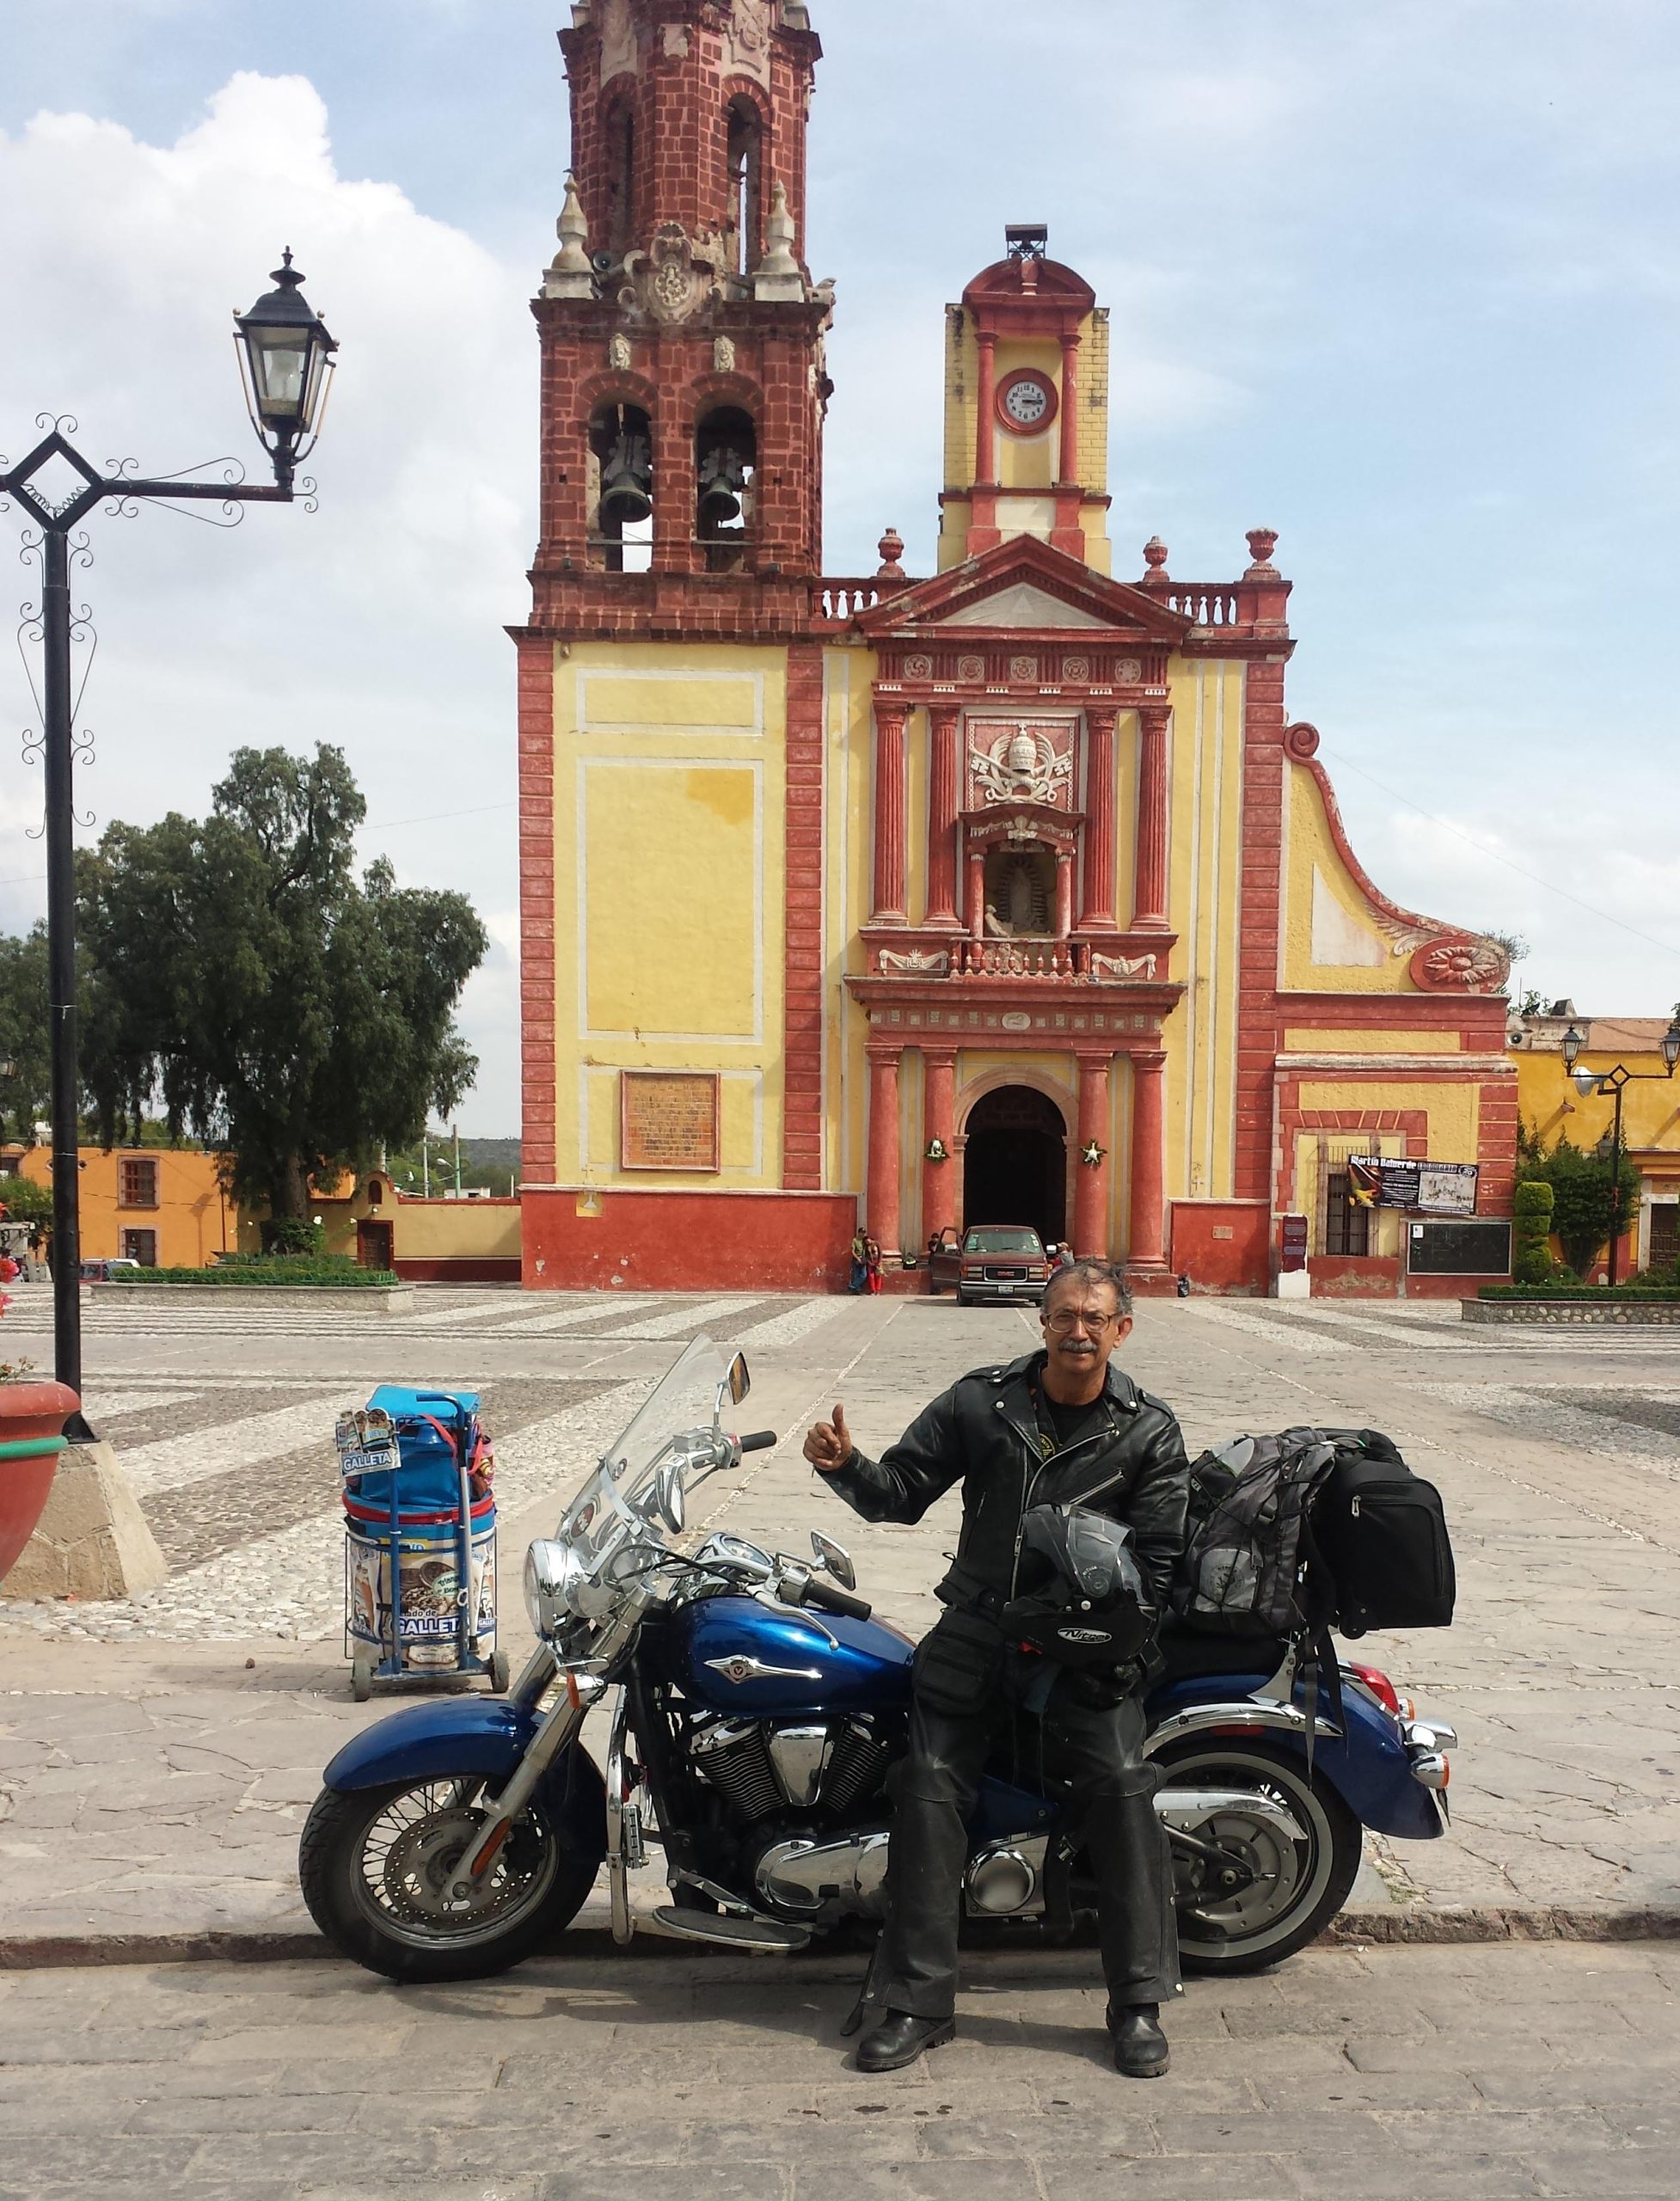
<point x="137" y="1183"/>
<point x="1346" y="1225"/>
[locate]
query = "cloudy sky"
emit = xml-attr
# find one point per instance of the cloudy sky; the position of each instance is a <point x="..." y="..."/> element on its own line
<point x="1399" y="282"/>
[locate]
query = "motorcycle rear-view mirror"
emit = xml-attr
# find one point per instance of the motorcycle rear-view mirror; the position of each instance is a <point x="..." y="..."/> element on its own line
<point x="834" y="1558"/>
<point x="735" y="1386"/>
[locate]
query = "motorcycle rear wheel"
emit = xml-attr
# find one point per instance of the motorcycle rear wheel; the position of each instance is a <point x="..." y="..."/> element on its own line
<point x="1300" y="1886"/>
<point x="375" y="1865"/>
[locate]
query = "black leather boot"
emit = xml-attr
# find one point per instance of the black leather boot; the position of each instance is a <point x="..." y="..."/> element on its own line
<point x="899" y="2039"/>
<point x="1140" y="2046"/>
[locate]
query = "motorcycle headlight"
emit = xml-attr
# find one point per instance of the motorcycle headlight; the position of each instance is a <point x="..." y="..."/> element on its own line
<point x="553" y="1574"/>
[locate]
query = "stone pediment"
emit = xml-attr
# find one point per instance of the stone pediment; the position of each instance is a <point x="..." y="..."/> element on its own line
<point x="1023" y="605"/>
<point x="1025" y="585"/>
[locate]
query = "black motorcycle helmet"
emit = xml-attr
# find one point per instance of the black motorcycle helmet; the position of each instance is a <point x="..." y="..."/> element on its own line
<point x="1080" y="1599"/>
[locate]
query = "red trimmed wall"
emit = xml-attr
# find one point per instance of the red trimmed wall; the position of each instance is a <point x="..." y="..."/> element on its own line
<point x="1241" y="1262"/>
<point x="689" y="1242"/>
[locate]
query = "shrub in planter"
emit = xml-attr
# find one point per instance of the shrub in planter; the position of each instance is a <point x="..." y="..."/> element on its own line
<point x="1532" y="1207"/>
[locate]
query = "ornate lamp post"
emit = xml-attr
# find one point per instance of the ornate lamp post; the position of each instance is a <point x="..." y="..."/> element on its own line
<point x="287" y="356"/>
<point x="1614" y="1081"/>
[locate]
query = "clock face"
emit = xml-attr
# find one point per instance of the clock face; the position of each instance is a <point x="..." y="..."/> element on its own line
<point x="1026" y="402"/>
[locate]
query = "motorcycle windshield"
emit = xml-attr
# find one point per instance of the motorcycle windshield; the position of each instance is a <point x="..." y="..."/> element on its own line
<point x="685" y="1397"/>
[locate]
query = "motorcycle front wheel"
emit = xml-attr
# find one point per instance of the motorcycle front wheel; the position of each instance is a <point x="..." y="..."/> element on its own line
<point x="377" y="1864"/>
<point x="1300" y="1865"/>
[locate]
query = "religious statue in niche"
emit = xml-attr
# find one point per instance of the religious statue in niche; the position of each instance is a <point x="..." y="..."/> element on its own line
<point x="1020" y="893"/>
<point x="1020" y="763"/>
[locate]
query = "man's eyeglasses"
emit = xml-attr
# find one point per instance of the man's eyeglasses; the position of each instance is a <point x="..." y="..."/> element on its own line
<point x="1068" y="1318"/>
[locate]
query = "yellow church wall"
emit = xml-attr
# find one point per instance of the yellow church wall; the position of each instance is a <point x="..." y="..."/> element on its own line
<point x="847" y="675"/>
<point x="1205" y="763"/>
<point x="1299" y="1040"/>
<point x="1331" y="941"/>
<point x="669" y="800"/>
<point x="1093" y="407"/>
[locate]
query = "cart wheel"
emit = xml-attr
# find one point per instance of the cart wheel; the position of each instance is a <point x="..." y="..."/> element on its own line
<point x="499" y="1671"/>
<point x="361" y="1679"/>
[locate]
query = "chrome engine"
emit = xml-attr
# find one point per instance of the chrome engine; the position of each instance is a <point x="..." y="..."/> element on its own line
<point x="821" y="1881"/>
<point x="762" y="1767"/>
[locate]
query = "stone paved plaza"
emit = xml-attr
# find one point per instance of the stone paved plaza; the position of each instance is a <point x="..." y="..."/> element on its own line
<point x="157" y="1761"/>
<point x="1392" y="2075"/>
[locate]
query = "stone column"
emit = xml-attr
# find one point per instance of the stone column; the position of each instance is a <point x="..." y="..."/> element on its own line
<point x="939" y="1178"/>
<point x="881" y="1203"/>
<point x="977" y="893"/>
<point x="890" y="717"/>
<point x="1149" y="908"/>
<point x="1149" y="1214"/>
<point x="1063" y="892"/>
<point x="1069" y="469"/>
<point x="985" y="394"/>
<point x="942" y="776"/>
<point x="1090" y="1201"/>
<point x="1101" y="801"/>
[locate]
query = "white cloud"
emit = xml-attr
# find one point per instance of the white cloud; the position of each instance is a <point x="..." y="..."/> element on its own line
<point x="375" y="621"/>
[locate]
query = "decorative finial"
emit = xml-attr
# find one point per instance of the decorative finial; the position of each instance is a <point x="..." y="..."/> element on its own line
<point x="570" y="275"/>
<point x="777" y="276"/>
<point x="892" y="548"/>
<point x="1262" y="542"/>
<point x="1155" y="559"/>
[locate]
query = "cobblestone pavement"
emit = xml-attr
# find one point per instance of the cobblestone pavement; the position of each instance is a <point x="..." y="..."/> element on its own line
<point x="152" y="1782"/>
<point x="1478" y="2074"/>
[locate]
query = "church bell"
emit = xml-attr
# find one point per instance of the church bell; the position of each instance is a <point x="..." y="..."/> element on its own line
<point x="627" y="480"/>
<point x="723" y="480"/>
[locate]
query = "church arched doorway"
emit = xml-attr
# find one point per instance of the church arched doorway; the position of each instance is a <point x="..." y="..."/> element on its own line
<point x="1015" y="1161"/>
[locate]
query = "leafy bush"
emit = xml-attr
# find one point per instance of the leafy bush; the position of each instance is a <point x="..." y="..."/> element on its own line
<point x="1579" y="1291"/>
<point x="330" y="1269"/>
<point x="1532" y="1210"/>
<point x="292" y="1234"/>
<point x="1580" y="1185"/>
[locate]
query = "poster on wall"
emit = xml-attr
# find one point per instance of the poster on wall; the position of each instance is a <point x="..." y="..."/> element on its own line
<point x="1424" y="1188"/>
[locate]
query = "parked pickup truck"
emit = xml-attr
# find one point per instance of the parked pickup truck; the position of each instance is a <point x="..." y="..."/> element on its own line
<point x="995" y="1261"/>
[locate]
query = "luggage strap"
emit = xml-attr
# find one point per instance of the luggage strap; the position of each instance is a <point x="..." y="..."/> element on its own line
<point x="965" y="1590"/>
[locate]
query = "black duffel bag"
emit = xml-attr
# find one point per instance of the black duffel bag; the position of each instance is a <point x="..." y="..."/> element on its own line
<point x="1380" y="1556"/>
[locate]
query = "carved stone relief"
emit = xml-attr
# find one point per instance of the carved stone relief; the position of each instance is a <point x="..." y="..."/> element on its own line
<point x="1020" y="761"/>
<point x="1122" y="967"/>
<point x="1023" y="668"/>
<point x="1076" y="668"/>
<point x="918" y="668"/>
<point x="970" y="668"/>
<point x="723" y="356"/>
<point x="618" y="351"/>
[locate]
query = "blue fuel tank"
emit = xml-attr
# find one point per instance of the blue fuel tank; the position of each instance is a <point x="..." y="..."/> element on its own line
<point x="732" y="1654"/>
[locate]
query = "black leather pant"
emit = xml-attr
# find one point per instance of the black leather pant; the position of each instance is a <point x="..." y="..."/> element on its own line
<point x="1099" y="1749"/>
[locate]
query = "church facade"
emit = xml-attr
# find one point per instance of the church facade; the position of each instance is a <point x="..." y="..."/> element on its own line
<point x="1013" y="894"/>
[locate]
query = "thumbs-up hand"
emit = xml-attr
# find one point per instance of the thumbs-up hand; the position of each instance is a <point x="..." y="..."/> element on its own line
<point x="828" y="1445"/>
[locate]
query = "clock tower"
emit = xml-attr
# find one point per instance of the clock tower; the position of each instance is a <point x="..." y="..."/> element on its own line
<point x="1025" y="408"/>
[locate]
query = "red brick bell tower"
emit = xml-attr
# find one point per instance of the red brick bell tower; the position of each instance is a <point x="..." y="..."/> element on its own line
<point x="683" y="386"/>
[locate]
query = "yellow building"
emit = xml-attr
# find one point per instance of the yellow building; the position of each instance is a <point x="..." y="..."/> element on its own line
<point x="163" y="1206"/>
<point x="1008" y="895"/>
<point x="1553" y="1108"/>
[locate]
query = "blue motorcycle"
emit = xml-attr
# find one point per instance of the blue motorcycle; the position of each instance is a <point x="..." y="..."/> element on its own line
<point x="760" y="1715"/>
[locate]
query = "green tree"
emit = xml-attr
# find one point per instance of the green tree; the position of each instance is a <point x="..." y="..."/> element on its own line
<point x="239" y="972"/>
<point x="26" y="1065"/>
<point x="1580" y="1185"/>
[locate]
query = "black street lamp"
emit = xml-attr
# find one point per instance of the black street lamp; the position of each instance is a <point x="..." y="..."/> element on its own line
<point x="1614" y="1081"/>
<point x="287" y="356"/>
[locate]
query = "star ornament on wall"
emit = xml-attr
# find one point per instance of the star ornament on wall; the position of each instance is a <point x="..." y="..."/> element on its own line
<point x="1092" y="1155"/>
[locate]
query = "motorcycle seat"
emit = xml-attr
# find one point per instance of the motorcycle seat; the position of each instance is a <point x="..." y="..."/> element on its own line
<point x="1190" y="1654"/>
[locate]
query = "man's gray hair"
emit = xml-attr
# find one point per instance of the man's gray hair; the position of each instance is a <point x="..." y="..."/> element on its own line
<point x="1088" y="1272"/>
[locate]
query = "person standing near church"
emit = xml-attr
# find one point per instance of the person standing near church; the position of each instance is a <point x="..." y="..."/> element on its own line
<point x="1062" y="1427"/>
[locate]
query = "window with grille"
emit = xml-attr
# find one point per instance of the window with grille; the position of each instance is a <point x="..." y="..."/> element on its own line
<point x="137" y="1183"/>
<point x="1346" y="1226"/>
<point x="140" y="1246"/>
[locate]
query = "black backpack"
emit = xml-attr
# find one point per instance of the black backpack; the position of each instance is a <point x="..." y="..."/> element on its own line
<point x="1313" y="1529"/>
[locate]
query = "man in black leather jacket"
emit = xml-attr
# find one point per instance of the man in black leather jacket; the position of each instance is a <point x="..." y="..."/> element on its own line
<point x="1062" y="1427"/>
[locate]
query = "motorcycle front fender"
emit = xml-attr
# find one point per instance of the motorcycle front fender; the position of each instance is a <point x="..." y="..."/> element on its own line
<point x="482" y="1735"/>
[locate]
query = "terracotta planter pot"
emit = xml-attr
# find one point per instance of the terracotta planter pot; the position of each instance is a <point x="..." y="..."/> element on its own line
<point x="32" y="1420"/>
